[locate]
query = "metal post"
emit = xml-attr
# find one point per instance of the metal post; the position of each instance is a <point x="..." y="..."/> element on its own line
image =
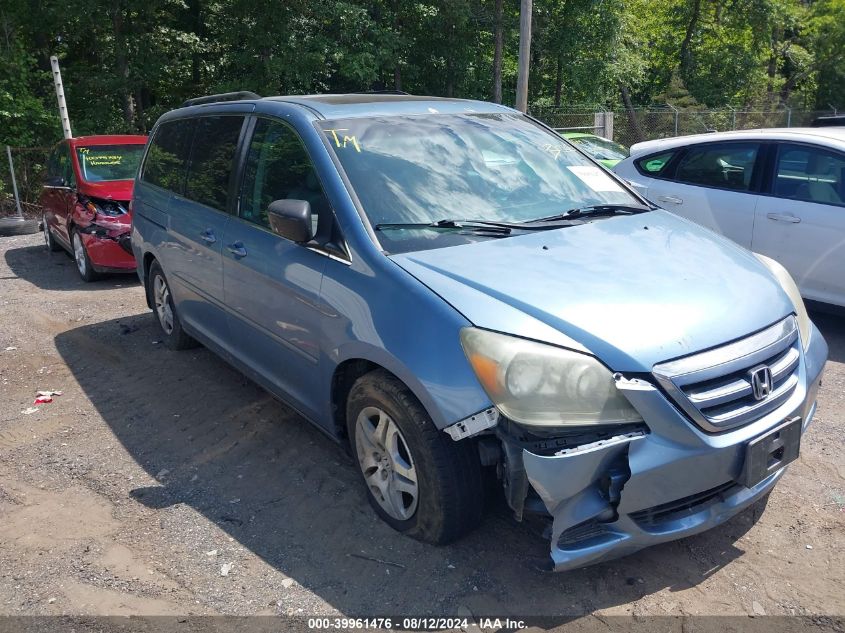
<point x="733" y="117"/>
<point x="788" y="117"/>
<point x="676" y="111"/>
<point x="60" y="95"/>
<point x="14" y="182"/>
<point x="524" y="55"/>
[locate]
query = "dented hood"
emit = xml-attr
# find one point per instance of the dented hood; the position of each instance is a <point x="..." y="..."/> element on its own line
<point x="633" y="290"/>
<point x="120" y="190"/>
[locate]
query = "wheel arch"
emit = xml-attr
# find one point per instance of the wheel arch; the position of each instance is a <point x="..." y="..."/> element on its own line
<point x="435" y="393"/>
<point x="353" y="368"/>
<point x="146" y="264"/>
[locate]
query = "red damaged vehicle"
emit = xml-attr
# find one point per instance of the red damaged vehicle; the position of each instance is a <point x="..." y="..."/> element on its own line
<point x="86" y="198"/>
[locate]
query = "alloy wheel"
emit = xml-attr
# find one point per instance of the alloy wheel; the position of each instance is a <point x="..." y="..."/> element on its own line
<point x="161" y="297"/>
<point x="79" y="254"/>
<point x="387" y="463"/>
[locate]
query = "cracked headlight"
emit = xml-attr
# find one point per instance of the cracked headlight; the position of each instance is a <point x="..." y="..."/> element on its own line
<point x="791" y="289"/>
<point x="542" y="385"/>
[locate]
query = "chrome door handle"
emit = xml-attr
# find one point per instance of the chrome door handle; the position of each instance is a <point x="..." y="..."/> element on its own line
<point x="670" y="199"/>
<point x="237" y="249"/>
<point x="208" y="237"/>
<point x="783" y="217"/>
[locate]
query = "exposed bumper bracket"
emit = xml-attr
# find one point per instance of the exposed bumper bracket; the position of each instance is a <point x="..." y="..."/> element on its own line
<point x="474" y="424"/>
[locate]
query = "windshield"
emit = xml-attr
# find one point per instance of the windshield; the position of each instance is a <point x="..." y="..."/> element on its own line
<point x="103" y="163"/>
<point x="494" y="167"/>
<point x="600" y="148"/>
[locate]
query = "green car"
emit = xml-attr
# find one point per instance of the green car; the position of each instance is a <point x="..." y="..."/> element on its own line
<point x="606" y="152"/>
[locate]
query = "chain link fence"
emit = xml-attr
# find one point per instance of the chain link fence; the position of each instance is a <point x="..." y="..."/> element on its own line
<point x="29" y="165"/>
<point x="644" y="124"/>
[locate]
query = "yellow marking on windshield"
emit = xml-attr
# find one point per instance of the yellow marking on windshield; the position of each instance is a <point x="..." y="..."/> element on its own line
<point x="342" y="140"/>
<point x="554" y="150"/>
<point x="103" y="160"/>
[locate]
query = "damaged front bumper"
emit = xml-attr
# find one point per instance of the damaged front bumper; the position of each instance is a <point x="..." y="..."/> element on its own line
<point x="110" y="250"/>
<point x="615" y="496"/>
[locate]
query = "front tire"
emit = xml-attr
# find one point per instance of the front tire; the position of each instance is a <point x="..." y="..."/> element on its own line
<point x="168" y="321"/>
<point x="80" y="256"/>
<point x="418" y="480"/>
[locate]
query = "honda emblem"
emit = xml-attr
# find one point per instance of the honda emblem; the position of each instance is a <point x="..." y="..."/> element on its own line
<point x="761" y="382"/>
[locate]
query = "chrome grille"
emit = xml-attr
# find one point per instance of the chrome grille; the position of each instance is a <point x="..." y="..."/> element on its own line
<point x="714" y="387"/>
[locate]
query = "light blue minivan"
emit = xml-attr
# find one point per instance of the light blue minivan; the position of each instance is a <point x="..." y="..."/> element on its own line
<point x="461" y="294"/>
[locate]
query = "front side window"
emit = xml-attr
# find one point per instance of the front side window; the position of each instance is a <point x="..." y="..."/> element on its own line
<point x="167" y="158"/>
<point x="278" y="168"/>
<point x="494" y="167"/>
<point x="725" y="165"/>
<point x="53" y="169"/>
<point x="212" y="160"/>
<point x="58" y="165"/>
<point x="104" y="163"/>
<point x="810" y="174"/>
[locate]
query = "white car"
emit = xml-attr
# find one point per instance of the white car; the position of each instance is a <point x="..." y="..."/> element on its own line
<point x="778" y="192"/>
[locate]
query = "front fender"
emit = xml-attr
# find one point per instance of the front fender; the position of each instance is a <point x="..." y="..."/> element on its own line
<point x="447" y="393"/>
<point x="406" y="329"/>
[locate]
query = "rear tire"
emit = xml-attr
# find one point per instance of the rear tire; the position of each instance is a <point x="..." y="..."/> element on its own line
<point x="419" y="481"/>
<point x="165" y="312"/>
<point x="80" y="255"/>
<point x="52" y="245"/>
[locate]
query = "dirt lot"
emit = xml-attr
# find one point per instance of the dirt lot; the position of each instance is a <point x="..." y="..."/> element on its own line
<point x="155" y="470"/>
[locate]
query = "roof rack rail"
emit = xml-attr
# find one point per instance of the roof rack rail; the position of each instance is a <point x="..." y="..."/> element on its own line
<point x="225" y="96"/>
<point x="381" y="92"/>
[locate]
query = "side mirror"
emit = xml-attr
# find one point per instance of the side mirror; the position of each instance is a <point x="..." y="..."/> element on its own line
<point x="291" y="219"/>
<point x="55" y="181"/>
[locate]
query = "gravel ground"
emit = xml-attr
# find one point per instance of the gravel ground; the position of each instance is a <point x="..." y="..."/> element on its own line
<point x="166" y="483"/>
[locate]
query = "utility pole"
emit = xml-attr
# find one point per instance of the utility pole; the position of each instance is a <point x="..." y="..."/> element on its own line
<point x="60" y="95"/>
<point x="524" y="55"/>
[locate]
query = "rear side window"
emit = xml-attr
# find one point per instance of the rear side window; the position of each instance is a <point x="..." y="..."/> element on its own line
<point x="212" y="160"/>
<point x="653" y="165"/>
<point x="811" y="174"/>
<point x="167" y="157"/>
<point x="726" y="165"/>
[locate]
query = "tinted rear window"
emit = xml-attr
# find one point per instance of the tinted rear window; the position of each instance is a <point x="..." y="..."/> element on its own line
<point x="212" y="160"/>
<point x="167" y="157"/>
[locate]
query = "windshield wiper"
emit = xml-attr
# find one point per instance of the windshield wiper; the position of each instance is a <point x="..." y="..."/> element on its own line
<point x="468" y="225"/>
<point x="484" y="226"/>
<point x="596" y="210"/>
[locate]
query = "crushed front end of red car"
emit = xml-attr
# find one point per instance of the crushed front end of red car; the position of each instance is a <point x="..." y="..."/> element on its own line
<point x="105" y="167"/>
<point x="104" y="226"/>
